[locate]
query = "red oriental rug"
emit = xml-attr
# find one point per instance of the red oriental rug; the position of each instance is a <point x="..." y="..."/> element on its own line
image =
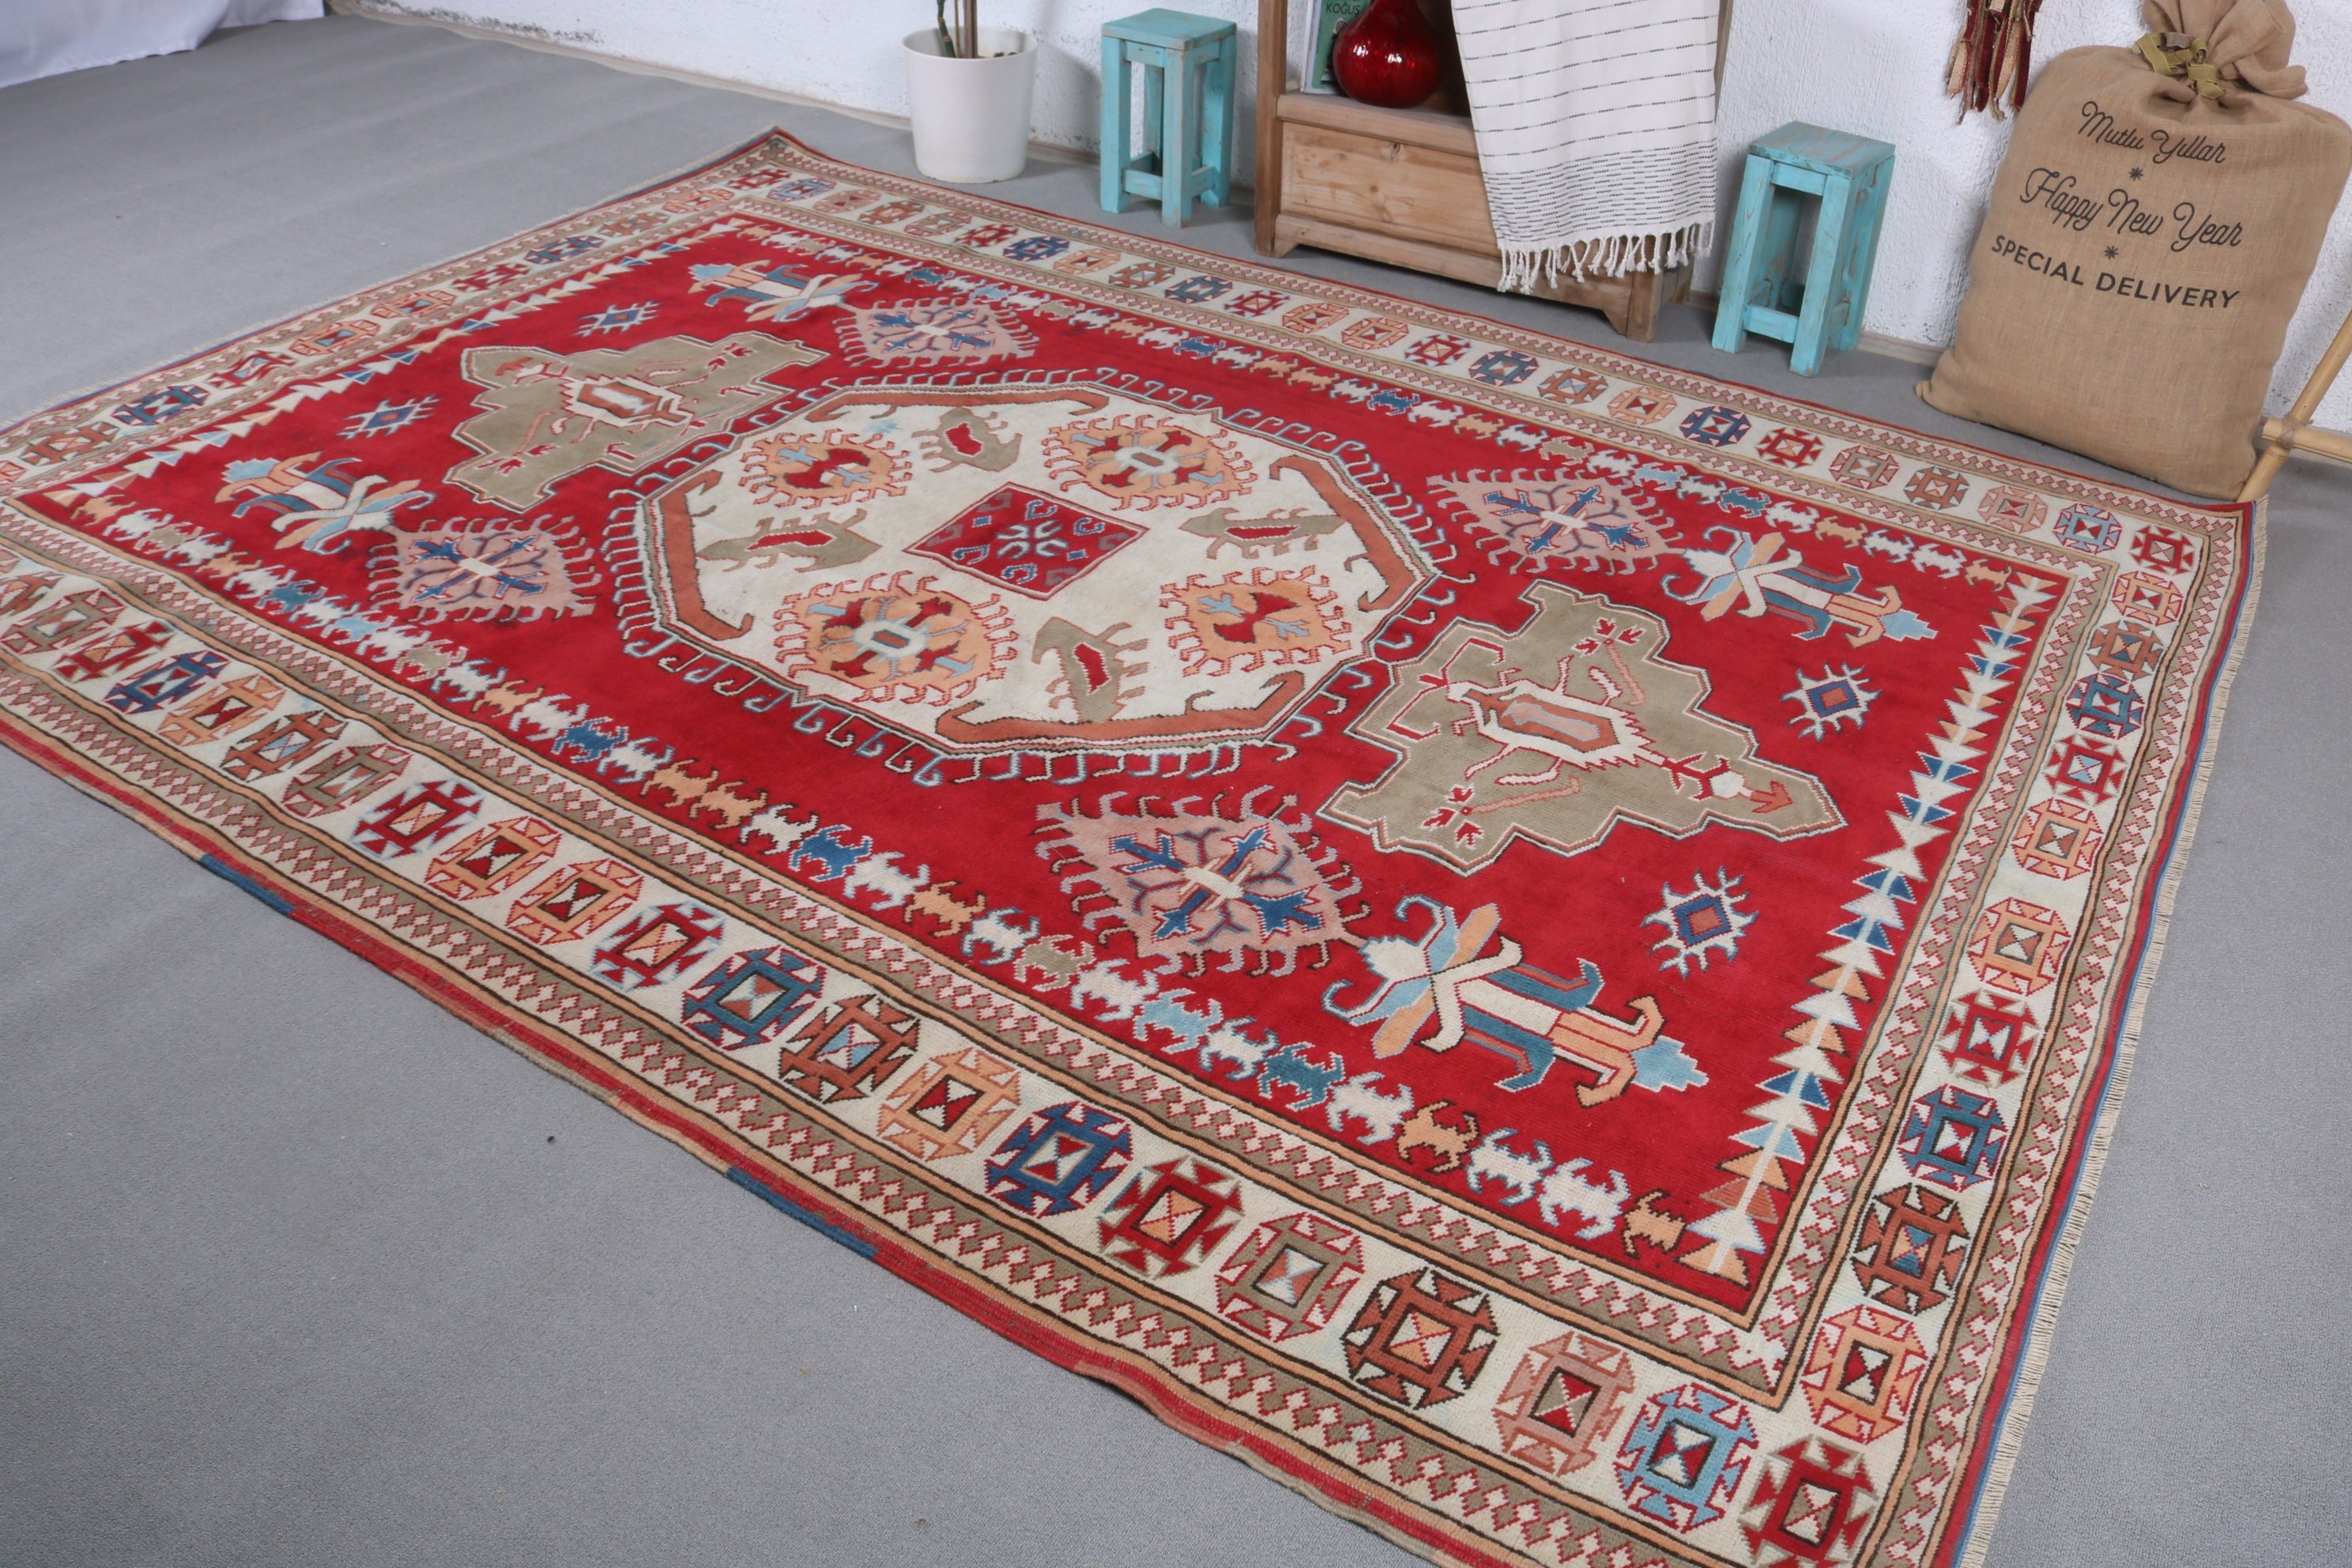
<point x="1534" y="945"/>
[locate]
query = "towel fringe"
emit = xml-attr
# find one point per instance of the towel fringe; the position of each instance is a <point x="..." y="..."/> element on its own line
<point x="1525" y="266"/>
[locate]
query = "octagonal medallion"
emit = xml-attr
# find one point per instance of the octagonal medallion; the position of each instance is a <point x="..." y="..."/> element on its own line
<point x="1024" y="567"/>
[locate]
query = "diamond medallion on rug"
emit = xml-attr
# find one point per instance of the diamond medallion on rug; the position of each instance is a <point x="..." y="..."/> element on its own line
<point x="1533" y="944"/>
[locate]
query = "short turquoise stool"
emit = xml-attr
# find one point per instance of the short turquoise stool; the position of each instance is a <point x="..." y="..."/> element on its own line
<point x="1761" y="292"/>
<point x="1187" y="111"/>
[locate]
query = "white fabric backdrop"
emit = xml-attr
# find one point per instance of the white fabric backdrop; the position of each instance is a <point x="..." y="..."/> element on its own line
<point x="42" y="38"/>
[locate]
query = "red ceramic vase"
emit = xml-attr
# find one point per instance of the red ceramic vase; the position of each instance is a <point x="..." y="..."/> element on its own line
<point x="1387" y="57"/>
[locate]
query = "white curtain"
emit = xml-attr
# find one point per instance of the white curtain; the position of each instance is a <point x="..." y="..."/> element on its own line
<point x="42" y="38"/>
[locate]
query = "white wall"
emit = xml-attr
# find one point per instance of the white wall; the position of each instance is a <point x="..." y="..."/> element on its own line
<point x="1872" y="67"/>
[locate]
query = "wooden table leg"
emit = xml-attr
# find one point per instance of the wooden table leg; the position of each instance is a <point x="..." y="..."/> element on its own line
<point x="1272" y="76"/>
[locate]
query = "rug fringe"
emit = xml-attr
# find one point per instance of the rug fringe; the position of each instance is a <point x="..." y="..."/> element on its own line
<point x="1603" y="256"/>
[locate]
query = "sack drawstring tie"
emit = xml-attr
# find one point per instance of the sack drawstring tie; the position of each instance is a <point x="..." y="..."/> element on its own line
<point x="2179" y="55"/>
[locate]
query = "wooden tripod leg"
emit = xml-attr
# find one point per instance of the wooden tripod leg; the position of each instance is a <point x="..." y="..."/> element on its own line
<point x="2280" y="434"/>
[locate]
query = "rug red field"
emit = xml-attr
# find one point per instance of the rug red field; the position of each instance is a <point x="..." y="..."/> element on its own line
<point x="1533" y="944"/>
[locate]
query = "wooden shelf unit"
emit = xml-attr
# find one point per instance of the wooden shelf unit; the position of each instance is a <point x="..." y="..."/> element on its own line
<point x="1399" y="186"/>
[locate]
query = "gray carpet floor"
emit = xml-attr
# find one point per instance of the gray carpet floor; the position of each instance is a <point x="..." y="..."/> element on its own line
<point x="295" y="1268"/>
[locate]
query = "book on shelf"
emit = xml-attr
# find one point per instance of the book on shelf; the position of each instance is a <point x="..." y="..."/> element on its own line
<point x="1324" y="18"/>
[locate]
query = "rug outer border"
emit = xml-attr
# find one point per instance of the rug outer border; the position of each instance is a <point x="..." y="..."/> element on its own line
<point x="2007" y="1410"/>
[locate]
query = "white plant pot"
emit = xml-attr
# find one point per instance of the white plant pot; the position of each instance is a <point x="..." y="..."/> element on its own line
<point x="972" y="117"/>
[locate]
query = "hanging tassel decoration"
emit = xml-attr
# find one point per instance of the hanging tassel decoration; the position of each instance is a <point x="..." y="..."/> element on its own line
<point x="1993" y="55"/>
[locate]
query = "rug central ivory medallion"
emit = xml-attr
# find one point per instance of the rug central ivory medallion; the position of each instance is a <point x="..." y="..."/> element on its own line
<point x="1532" y="944"/>
<point x="996" y="568"/>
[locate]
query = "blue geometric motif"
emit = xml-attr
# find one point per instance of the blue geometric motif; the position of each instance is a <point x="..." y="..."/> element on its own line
<point x="317" y="508"/>
<point x="1059" y="1160"/>
<point x="2088" y="528"/>
<point x="1716" y="426"/>
<point x="1837" y="697"/>
<point x="1037" y="248"/>
<point x="386" y="417"/>
<point x="829" y="853"/>
<point x="565" y="249"/>
<point x="1268" y="895"/>
<point x="751" y="997"/>
<point x="617" y="318"/>
<point x="1503" y="367"/>
<point x="164" y="683"/>
<point x="1686" y="1456"/>
<point x="2106" y="704"/>
<point x="1706" y="920"/>
<point x="1953" y="1138"/>
<point x="1198" y="289"/>
<point x="160" y="404"/>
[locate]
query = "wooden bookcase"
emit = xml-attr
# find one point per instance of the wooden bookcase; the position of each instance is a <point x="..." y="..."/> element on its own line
<point x="1400" y="186"/>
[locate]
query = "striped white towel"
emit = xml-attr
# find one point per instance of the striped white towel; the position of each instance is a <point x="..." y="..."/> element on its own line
<point x="1596" y="132"/>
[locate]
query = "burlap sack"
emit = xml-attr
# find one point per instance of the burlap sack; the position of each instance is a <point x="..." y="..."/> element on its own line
<point x="2149" y="235"/>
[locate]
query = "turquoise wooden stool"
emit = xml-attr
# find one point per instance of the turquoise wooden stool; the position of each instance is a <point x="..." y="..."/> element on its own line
<point x="1761" y="292"/>
<point x="1187" y="111"/>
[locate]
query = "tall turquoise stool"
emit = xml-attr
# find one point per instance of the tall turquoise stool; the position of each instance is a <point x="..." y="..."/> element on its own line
<point x="1187" y="111"/>
<point x="1761" y="292"/>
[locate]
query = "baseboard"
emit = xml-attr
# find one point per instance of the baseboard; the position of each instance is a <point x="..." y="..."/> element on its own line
<point x="1901" y="348"/>
<point x="557" y="44"/>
